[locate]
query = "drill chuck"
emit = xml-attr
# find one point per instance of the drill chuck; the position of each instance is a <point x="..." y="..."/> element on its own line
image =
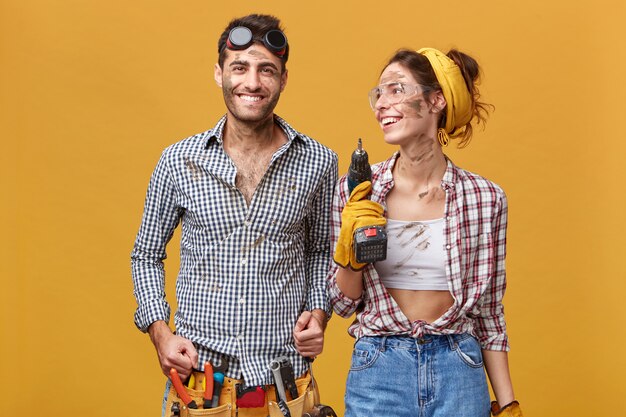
<point x="360" y="169"/>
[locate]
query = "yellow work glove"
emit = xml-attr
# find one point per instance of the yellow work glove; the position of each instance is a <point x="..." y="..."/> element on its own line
<point x="510" y="410"/>
<point x="358" y="212"/>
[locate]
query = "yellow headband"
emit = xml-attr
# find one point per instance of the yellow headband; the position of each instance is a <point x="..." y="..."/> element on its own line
<point x="458" y="98"/>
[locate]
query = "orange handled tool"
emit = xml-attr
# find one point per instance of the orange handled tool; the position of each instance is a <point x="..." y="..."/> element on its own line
<point x="180" y="389"/>
<point x="208" y="389"/>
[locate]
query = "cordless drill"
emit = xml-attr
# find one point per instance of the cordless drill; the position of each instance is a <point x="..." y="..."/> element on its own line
<point x="370" y="242"/>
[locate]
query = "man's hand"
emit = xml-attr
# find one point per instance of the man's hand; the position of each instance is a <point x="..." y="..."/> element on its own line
<point x="309" y="333"/>
<point x="173" y="351"/>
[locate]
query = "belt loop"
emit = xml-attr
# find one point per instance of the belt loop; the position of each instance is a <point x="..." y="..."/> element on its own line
<point x="451" y="341"/>
<point x="383" y="343"/>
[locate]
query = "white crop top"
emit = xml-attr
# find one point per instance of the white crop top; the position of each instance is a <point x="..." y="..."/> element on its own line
<point x="416" y="256"/>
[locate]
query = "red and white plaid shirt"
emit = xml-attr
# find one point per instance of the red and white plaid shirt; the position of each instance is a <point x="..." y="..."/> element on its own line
<point x="475" y="236"/>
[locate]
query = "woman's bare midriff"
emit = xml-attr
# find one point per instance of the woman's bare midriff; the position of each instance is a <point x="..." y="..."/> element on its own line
<point x="424" y="305"/>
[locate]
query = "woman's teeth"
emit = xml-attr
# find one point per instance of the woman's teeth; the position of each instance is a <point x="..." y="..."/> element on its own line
<point x="389" y="120"/>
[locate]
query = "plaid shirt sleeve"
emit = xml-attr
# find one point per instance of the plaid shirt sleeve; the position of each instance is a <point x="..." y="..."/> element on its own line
<point x="490" y="325"/>
<point x="317" y="248"/>
<point x="342" y="304"/>
<point x="160" y="218"/>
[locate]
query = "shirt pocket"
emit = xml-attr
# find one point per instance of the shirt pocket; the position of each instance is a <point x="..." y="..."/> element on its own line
<point x="284" y="204"/>
<point x="477" y="257"/>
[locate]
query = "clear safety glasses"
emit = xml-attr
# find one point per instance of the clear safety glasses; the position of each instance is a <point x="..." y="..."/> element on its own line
<point x="394" y="93"/>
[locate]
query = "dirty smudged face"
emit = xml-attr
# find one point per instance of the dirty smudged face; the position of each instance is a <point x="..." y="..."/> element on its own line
<point x="409" y="119"/>
<point x="251" y="82"/>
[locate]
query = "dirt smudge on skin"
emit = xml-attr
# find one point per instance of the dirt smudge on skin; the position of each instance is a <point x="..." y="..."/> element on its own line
<point x="438" y="194"/>
<point x="257" y="54"/>
<point x="416" y="105"/>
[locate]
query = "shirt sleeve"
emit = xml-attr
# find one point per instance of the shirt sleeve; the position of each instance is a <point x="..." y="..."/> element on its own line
<point x="317" y="237"/>
<point x="343" y="305"/>
<point x="490" y="324"/>
<point x="160" y="217"/>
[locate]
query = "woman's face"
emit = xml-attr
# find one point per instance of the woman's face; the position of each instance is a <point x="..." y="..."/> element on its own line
<point x="402" y="111"/>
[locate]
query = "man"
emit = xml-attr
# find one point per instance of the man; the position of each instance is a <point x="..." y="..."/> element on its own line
<point x="253" y="196"/>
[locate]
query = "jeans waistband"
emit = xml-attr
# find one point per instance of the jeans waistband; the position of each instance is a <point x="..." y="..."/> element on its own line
<point x="429" y="341"/>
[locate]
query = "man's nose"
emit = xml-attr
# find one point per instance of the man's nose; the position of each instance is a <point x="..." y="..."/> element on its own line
<point x="253" y="80"/>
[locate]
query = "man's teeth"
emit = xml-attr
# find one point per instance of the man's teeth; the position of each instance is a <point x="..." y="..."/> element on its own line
<point x="389" y="120"/>
<point x="250" y="98"/>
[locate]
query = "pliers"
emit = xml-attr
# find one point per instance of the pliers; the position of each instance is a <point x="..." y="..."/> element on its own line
<point x="213" y="378"/>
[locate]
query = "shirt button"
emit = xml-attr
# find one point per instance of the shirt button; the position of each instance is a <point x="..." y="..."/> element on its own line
<point x="242" y="300"/>
<point x="244" y="261"/>
<point x="247" y="223"/>
<point x="240" y="337"/>
<point x="448" y="246"/>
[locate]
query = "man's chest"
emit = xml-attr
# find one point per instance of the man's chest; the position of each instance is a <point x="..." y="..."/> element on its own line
<point x="214" y="204"/>
<point x="251" y="167"/>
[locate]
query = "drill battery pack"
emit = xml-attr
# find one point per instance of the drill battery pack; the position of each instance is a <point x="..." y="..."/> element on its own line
<point x="370" y="244"/>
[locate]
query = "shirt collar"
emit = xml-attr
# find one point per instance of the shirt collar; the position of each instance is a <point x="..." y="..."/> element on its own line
<point x="388" y="168"/>
<point x="451" y="175"/>
<point x="215" y="134"/>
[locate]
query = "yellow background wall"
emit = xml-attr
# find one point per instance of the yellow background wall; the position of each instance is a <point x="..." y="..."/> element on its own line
<point x="92" y="91"/>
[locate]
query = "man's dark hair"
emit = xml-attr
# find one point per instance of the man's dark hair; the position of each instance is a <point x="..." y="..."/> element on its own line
<point x="259" y="24"/>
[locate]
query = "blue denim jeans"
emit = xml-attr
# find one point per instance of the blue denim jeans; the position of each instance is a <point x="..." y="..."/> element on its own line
<point x="435" y="376"/>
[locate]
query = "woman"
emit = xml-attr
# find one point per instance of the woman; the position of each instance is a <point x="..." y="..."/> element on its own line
<point x="429" y="317"/>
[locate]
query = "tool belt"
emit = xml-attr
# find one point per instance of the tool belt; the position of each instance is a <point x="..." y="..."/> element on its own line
<point x="307" y="398"/>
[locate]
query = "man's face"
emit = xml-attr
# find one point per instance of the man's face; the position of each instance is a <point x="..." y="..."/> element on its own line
<point x="251" y="82"/>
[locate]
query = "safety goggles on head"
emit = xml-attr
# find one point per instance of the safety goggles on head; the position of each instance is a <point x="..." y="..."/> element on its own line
<point x="394" y="93"/>
<point x="241" y="37"/>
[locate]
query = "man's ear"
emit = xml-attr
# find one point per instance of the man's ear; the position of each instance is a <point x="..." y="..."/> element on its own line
<point x="283" y="80"/>
<point x="218" y="75"/>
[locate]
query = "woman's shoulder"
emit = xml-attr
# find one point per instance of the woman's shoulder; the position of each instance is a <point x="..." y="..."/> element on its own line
<point x="474" y="183"/>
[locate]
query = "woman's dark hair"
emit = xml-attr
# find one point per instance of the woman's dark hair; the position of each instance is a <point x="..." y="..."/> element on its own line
<point x="423" y="72"/>
<point x="259" y="24"/>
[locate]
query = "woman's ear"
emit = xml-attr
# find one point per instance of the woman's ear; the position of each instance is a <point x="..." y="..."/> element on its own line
<point x="437" y="101"/>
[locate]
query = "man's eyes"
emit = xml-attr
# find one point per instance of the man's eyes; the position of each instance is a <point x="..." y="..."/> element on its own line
<point x="264" y="70"/>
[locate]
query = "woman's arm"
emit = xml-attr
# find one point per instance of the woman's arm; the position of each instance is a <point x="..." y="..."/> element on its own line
<point x="350" y="282"/>
<point x="497" y="366"/>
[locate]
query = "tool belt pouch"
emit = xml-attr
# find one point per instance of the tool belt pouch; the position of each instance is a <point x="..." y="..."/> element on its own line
<point x="308" y="397"/>
<point x="223" y="410"/>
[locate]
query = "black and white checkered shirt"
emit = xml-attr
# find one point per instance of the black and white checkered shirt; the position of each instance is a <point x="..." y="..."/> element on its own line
<point x="246" y="272"/>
